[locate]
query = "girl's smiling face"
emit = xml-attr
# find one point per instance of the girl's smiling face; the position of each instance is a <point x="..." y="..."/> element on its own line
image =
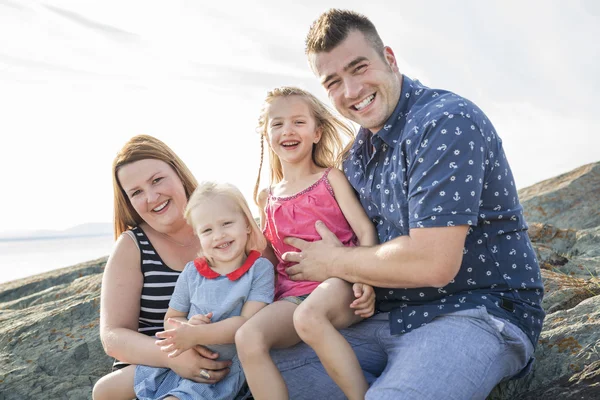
<point x="223" y="231"/>
<point x="292" y="129"/>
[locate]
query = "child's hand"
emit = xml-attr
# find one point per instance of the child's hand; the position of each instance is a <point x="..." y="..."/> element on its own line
<point x="178" y="339"/>
<point x="364" y="304"/>
<point x="200" y="319"/>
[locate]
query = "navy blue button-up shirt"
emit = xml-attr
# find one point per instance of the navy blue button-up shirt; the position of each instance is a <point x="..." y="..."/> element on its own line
<point x="439" y="162"/>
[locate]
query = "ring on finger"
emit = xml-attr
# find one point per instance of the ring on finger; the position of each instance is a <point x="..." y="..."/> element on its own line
<point x="204" y="373"/>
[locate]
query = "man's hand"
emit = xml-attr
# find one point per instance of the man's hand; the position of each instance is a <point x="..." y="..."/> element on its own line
<point x="198" y="364"/>
<point x="177" y="340"/>
<point x="364" y="305"/>
<point x="314" y="258"/>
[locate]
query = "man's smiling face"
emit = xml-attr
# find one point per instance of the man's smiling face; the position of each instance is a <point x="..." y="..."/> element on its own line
<point x="364" y="86"/>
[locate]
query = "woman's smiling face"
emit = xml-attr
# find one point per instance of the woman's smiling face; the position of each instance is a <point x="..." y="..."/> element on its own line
<point x="155" y="192"/>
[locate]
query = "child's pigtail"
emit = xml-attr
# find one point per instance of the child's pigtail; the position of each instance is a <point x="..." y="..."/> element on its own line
<point x="262" y="152"/>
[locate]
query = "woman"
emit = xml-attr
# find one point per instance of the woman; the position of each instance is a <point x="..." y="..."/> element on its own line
<point x="153" y="243"/>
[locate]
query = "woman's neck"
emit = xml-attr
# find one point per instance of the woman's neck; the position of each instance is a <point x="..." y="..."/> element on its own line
<point x="183" y="236"/>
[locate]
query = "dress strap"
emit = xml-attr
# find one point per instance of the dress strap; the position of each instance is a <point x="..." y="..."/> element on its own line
<point x="325" y="180"/>
<point x="148" y="254"/>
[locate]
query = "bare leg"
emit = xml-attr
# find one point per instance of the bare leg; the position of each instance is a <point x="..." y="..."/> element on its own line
<point x="317" y="321"/>
<point x="116" y="385"/>
<point x="271" y="327"/>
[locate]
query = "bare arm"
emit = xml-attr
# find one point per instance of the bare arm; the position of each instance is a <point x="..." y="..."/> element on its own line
<point x="352" y="209"/>
<point x="262" y="203"/>
<point x="364" y="305"/>
<point x="174" y="314"/>
<point x="184" y="335"/>
<point x="268" y="253"/>
<point x="223" y="332"/>
<point x="120" y="307"/>
<point x="427" y="257"/>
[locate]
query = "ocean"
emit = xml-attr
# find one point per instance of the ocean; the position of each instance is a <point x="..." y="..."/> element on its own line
<point x="25" y="257"/>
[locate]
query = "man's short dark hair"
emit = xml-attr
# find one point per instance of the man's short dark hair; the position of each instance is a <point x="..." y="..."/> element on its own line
<point x="334" y="25"/>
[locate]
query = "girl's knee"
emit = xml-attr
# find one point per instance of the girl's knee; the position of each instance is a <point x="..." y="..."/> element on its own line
<point x="334" y="285"/>
<point x="250" y="340"/>
<point x="309" y="321"/>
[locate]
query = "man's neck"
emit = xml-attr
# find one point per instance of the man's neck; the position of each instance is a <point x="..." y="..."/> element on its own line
<point x="377" y="129"/>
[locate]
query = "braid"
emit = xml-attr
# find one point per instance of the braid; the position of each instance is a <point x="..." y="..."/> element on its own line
<point x="262" y="152"/>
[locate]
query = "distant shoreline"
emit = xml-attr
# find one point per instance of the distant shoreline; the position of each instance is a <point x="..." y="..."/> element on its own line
<point x="50" y="237"/>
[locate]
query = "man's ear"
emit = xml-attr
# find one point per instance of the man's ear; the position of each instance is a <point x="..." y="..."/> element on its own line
<point x="390" y="58"/>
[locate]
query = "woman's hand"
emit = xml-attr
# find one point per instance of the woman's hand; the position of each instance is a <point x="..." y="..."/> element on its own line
<point x="364" y="305"/>
<point x="198" y="364"/>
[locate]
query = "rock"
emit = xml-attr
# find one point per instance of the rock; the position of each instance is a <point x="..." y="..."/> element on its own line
<point x="49" y="339"/>
<point x="568" y="201"/>
<point x="563" y="292"/>
<point x="50" y="346"/>
<point x="564" y="221"/>
<point x="560" y="240"/>
<point x="566" y="358"/>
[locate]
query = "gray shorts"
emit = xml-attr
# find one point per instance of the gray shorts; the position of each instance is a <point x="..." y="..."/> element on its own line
<point x="297" y="300"/>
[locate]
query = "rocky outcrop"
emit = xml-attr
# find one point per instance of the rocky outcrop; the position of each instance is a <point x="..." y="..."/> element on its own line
<point x="568" y="201"/>
<point x="564" y="226"/>
<point x="49" y="342"/>
<point x="50" y="348"/>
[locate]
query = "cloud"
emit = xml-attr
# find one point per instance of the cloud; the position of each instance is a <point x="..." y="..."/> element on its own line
<point x="101" y="28"/>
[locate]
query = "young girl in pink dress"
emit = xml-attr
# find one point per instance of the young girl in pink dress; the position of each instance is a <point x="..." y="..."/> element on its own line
<point x="304" y="148"/>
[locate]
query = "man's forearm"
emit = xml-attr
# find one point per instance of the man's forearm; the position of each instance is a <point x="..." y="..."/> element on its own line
<point x="401" y="263"/>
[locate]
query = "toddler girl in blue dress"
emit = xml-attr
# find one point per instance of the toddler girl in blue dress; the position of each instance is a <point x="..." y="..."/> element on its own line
<point x="214" y="295"/>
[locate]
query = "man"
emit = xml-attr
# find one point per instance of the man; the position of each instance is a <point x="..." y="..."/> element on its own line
<point x="456" y="276"/>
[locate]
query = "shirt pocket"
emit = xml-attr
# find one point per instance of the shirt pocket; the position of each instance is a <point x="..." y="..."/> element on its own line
<point x="389" y="196"/>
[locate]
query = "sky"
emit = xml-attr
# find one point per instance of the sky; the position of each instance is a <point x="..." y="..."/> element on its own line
<point x="78" y="78"/>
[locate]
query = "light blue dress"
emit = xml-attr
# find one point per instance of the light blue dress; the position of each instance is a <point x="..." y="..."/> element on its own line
<point x="200" y="290"/>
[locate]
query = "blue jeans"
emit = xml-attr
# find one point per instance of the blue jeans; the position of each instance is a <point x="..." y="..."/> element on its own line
<point x="460" y="356"/>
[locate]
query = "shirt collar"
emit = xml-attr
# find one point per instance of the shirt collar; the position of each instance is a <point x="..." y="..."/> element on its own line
<point x="204" y="269"/>
<point x="387" y="133"/>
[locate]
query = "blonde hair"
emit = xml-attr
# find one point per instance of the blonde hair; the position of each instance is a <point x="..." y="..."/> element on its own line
<point x="212" y="190"/>
<point x="328" y="152"/>
<point x="143" y="147"/>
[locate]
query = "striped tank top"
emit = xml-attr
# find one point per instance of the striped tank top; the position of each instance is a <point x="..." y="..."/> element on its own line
<point x="159" y="283"/>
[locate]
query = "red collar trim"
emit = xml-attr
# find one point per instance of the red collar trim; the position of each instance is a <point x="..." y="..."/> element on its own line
<point x="203" y="269"/>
